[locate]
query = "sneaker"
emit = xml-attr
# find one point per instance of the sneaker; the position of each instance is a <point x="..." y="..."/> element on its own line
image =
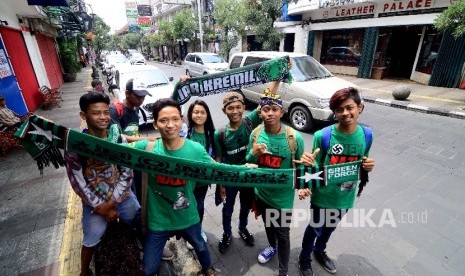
<point x="210" y="272"/>
<point x="224" y="243"/>
<point x="305" y="267"/>
<point x="267" y="254"/>
<point x="189" y="246"/>
<point x="246" y="236"/>
<point x="204" y="236"/>
<point x="325" y="261"/>
<point x="167" y="255"/>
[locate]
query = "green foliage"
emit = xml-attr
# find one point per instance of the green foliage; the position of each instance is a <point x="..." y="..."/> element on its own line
<point x="260" y="17"/>
<point x="115" y="42"/>
<point x="69" y="55"/>
<point x="130" y="41"/>
<point x="185" y="25"/>
<point x="452" y="19"/>
<point x="101" y="37"/>
<point x="166" y="31"/>
<point x="230" y="16"/>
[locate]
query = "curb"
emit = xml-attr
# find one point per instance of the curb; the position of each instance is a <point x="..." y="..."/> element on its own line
<point x="417" y="108"/>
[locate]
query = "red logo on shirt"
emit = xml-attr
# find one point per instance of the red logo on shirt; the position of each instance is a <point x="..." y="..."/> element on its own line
<point x="339" y="159"/>
<point x="170" y="181"/>
<point x="270" y="161"/>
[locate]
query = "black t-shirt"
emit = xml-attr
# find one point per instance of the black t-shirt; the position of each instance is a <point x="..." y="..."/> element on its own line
<point x="129" y="121"/>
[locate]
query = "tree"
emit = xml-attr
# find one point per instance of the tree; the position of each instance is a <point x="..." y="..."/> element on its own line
<point x="167" y="33"/>
<point x="130" y="41"/>
<point x="115" y="42"/>
<point x="185" y="26"/>
<point x="100" y="31"/>
<point x="260" y="17"/>
<point x="452" y="19"/>
<point x="230" y="16"/>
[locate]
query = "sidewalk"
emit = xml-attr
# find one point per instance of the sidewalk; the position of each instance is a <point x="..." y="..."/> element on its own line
<point x="40" y="215"/>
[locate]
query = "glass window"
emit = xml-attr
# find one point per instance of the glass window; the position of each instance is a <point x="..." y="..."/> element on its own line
<point x="235" y="62"/>
<point x="429" y="50"/>
<point x="252" y="60"/>
<point x="342" y="47"/>
<point x="212" y="59"/>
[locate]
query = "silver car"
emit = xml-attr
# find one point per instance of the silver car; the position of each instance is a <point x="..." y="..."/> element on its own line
<point x="198" y="64"/>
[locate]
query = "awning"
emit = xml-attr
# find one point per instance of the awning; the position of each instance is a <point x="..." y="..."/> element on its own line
<point x="47" y="3"/>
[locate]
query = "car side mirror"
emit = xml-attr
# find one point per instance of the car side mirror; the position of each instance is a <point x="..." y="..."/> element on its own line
<point x="170" y="78"/>
<point x="201" y="62"/>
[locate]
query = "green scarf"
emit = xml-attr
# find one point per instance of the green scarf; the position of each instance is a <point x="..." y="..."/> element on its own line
<point x="37" y="130"/>
<point x="250" y="75"/>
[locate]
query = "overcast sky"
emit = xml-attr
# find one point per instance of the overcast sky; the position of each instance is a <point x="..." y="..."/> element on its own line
<point x="111" y="11"/>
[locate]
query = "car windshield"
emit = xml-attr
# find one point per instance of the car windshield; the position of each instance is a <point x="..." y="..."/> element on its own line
<point x="152" y="78"/>
<point x="212" y="59"/>
<point x="137" y="55"/>
<point x="116" y="59"/>
<point x="305" y="68"/>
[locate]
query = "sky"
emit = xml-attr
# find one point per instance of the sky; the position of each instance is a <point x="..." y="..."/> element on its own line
<point x="111" y="11"/>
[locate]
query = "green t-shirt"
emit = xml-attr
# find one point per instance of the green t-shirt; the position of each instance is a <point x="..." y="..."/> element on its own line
<point x="234" y="147"/>
<point x="281" y="158"/>
<point x="171" y="203"/>
<point x="343" y="148"/>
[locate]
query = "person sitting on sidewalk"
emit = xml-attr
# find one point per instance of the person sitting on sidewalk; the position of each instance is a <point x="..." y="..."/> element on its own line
<point x="8" y="118"/>
<point x="171" y="205"/>
<point x="103" y="188"/>
<point x="270" y="147"/>
<point x="346" y="142"/>
<point x="97" y="86"/>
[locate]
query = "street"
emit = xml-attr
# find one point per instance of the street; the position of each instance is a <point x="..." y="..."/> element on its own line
<point x="415" y="196"/>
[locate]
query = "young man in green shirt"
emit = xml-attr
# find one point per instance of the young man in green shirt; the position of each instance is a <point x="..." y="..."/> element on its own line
<point x="347" y="144"/>
<point x="171" y="205"/>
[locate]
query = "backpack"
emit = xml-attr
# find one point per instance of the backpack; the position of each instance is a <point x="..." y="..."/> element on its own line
<point x="326" y="137"/>
<point x="290" y="138"/>
<point x="120" y="110"/>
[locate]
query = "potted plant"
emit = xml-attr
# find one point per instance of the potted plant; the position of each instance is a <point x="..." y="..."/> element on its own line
<point x="69" y="60"/>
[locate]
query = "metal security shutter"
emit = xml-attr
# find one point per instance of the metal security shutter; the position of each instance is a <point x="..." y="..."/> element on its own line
<point x="22" y="67"/>
<point x="368" y="52"/>
<point x="448" y="67"/>
<point x="50" y="58"/>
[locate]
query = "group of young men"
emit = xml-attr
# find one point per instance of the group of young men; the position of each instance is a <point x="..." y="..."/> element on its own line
<point x="257" y="138"/>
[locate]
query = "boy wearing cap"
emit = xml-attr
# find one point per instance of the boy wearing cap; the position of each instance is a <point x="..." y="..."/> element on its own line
<point x="231" y="147"/>
<point x="269" y="148"/>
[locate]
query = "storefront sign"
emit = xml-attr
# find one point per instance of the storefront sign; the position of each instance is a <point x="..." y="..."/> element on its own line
<point x="354" y="11"/>
<point x="144" y="23"/>
<point x="4" y="66"/>
<point x="144" y="10"/>
<point x="406" y="5"/>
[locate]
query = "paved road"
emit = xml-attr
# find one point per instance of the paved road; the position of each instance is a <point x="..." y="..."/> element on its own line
<point x="415" y="195"/>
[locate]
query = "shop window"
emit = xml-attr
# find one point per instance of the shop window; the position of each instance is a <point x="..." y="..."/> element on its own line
<point x="342" y="47"/>
<point x="429" y="50"/>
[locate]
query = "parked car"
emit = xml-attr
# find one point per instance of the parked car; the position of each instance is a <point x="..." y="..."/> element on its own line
<point x="307" y="98"/>
<point x="158" y="84"/>
<point x="137" y="58"/>
<point x="197" y="64"/>
<point x="343" y="54"/>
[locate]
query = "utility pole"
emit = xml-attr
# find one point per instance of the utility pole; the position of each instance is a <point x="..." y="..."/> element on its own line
<point x="200" y="25"/>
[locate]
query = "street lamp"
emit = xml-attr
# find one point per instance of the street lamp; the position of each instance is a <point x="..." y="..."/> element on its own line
<point x="200" y="25"/>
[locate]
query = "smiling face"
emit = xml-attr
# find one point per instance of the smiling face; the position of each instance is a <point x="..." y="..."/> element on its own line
<point x="234" y="111"/>
<point x="271" y="114"/>
<point x="169" y="123"/>
<point x="199" y="115"/>
<point x="97" y="117"/>
<point x="347" y="112"/>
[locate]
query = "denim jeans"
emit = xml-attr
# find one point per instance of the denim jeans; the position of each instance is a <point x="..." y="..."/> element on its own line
<point x="155" y="242"/>
<point x="246" y="198"/>
<point x="94" y="225"/>
<point x="318" y="231"/>
<point x="278" y="233"/>
<point x="200" y="192"/>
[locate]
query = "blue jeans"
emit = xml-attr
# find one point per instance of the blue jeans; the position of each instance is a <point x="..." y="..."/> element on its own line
<point x="318" y="231"/>
<point x="200" y="192"/>
<point x="94" y="225"/>
<point x="246" y="198"/>
<point x="155" y="242"/>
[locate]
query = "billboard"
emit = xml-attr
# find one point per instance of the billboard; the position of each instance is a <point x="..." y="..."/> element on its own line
<point x="144" y="23"/>
<point x="144" y="10"/>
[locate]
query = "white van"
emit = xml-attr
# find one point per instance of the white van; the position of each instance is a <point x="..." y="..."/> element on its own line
<point x="307" y="98"/>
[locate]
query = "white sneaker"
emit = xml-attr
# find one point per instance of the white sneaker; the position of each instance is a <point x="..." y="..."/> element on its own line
<point x="189" y="246"/>
<point x="266" y="254"/>
<point x="204" y="236"/>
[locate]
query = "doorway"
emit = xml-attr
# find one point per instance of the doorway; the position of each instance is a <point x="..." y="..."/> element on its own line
<point x="289" y="42"/>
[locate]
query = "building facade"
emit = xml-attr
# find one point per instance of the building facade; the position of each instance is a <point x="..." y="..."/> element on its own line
<point x="375" y="39"/>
